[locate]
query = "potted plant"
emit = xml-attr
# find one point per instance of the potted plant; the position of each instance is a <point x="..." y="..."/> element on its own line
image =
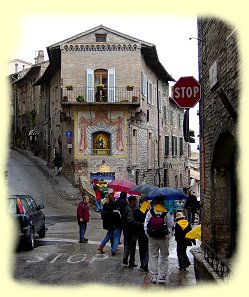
<point x="80" y="98"/>
<point x="130" y="87"/>
<point x="69" y="87"/>
<point x="65" y="98"/>
<point x="100" y="86"/>
<point x="134" y="98"/>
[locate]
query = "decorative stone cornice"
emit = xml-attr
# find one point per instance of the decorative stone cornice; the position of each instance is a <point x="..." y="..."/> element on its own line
<point x="100" y="47"/>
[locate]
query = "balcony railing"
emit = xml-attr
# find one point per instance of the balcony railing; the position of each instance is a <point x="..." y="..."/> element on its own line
<point x="86" y="95"/>
<point x="216" y="263"/>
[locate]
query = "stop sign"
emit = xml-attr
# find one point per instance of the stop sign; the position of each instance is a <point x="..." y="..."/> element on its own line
<point x="186" y="92"/>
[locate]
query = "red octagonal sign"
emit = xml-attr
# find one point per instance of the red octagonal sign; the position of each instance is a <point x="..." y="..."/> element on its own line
<point x="186" y="92"/>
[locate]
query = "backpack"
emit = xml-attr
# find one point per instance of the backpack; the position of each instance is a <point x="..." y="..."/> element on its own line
<point x="157" y="227"/>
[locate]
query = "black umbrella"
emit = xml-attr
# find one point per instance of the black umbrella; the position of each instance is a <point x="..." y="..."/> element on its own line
<point x="144" y="189"/>
<point x="167" y="193"/>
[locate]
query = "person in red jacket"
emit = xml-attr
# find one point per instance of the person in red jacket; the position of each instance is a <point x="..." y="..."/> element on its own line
<point x="99" y="206"/>
<point x="83" y="217"/>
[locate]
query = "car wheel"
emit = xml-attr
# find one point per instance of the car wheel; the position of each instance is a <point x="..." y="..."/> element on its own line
<point x="31" y="241"/>
<point x="42" y="232"/>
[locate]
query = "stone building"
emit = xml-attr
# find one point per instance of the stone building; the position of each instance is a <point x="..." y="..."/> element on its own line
<point x="107" y="112"/>
<point x="194" y="161"/>
<point x="27" y="108"/>
<point x="219" y="78"/>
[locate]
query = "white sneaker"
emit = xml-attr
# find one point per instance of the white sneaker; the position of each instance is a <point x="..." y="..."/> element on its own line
<point x="153" y="279"/>
<point x="162" y="280"/>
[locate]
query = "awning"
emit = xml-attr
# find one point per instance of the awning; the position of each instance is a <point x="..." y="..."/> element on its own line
<point x="33" y="132"/>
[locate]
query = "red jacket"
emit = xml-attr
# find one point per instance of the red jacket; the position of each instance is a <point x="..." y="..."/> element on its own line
<point x="83" y="212"/>
<point x="97" y="193"/>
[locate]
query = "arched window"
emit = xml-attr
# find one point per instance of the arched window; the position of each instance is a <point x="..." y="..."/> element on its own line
<point x="101" y="143"/>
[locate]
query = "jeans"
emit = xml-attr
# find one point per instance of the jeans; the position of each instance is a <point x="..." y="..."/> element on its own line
<point x="109" y="236"/>
<point x="99" y="206"/>
<point x="116" y="238"/>
<point x="82" y="227"/>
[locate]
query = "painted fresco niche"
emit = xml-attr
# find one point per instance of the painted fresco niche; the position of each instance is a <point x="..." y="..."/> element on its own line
<point x="101" y="143"/>
<point x="100" y="133"/>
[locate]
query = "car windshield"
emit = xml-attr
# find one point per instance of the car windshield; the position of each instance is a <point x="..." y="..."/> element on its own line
<point x="15" y="206"/>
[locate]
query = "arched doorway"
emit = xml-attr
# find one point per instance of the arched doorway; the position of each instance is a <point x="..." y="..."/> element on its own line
<point x="224" y="200"/>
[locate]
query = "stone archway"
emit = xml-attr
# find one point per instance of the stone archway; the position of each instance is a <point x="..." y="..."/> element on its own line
<point x="224" y="201"/>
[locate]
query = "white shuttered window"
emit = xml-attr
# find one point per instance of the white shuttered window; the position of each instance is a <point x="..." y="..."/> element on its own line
<point x="90" y="85"/>
<point x="111" y="85"/>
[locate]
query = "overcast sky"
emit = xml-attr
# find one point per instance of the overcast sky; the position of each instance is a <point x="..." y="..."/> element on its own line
<point x="170" y="35"/>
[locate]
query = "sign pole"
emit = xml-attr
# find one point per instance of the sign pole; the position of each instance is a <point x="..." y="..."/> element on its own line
<point x="187" y="124"/>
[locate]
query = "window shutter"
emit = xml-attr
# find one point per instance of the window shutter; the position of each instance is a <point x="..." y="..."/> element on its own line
<point x="164" y="114"/>
<point x="152" y="94"/>
<point x="166" y="145"/>
<point x="90" y="85"/>
<point x="145" y="86"/>
<point x="142" y="82"/>
<point x="160" y="99"/>
<point x="173" y="145"/>
<point x="111" y="85"/>
<point x="181" y="146"/>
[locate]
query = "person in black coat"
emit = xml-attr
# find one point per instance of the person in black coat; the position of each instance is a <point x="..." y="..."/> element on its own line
<point x="191" y="207"/>
<point x="107" y="217"/>
<point x="142" y="239"/>
<point x="119" y="204"/>
<point x="131" y="229"/>
<point x="182" y="227"/>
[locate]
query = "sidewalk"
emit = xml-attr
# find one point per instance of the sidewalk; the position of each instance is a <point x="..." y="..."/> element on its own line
<point x="175" y="279"/>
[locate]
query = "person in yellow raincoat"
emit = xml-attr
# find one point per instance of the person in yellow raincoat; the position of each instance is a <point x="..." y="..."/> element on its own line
<point x="182" y="227"/>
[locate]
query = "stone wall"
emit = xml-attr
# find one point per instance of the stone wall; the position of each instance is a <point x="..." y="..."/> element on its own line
<point x="219" y="71"/>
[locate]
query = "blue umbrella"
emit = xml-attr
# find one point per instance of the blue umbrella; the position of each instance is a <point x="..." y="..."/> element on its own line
<point x="167" y="193"/>
<point x="144" y="189"/>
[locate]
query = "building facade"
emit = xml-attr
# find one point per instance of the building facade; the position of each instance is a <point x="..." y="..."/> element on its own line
<point x="219" y="78"/>
<point x="105" y="108"/>
<point x="27" y="107"/>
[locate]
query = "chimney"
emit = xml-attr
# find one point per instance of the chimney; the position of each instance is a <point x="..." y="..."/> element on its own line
<point x="40" y="57"/>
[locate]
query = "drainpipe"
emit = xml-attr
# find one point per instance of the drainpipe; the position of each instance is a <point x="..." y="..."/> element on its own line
<point x="15" y="115"/>
<point x="158" y="136"/>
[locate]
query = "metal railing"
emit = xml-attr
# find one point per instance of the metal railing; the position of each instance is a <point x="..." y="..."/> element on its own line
<point x="106" y="95"/>
<point x="218" y="265"/>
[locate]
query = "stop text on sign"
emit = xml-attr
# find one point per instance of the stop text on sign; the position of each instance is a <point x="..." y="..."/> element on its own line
<point x="186" y="92"/>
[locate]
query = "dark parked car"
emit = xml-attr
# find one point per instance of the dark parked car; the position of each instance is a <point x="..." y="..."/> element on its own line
<point x="30" y="218"/>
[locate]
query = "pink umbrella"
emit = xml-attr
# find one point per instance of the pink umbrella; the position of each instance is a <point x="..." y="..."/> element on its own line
<point x="122" y="185"/>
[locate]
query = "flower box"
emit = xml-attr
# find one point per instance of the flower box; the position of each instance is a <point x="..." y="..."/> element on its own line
<point x="130" y="88"/>
<point x="69" y="87"/>
<point x="80" y="98"/>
